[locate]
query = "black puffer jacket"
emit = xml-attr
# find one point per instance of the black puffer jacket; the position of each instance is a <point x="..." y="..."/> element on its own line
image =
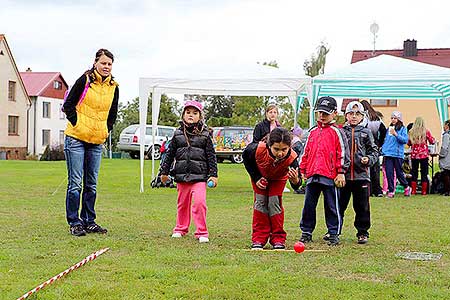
<point x="360" y="144"/>
<point x="193" y="151"/>
<point x="261" y="130"/>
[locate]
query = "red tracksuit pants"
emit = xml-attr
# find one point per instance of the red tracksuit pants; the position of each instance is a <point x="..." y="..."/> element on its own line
<point x="268" y="214"/>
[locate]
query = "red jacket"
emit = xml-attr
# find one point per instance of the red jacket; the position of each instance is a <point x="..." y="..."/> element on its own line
<point x="326" y="152"/>
<point x="271" y="168"/>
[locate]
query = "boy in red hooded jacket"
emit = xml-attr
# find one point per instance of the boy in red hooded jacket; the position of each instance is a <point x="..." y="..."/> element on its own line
<point x="323" y="165"/>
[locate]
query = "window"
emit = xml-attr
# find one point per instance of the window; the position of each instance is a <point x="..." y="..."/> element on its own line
<point x="46" y="110"/>
<point x="62" y="115"/>
<point x="165" y="132"/>
<point x="61" y="137"/>
<point x="383" y="102"/>
<point x="13" y="125"/>
<point x="11" y="90"/>
<point x="45" y="137"/>
<point x="57" y="85"/>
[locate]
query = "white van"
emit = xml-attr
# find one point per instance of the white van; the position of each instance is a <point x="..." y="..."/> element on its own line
<point x="129" y="140"/>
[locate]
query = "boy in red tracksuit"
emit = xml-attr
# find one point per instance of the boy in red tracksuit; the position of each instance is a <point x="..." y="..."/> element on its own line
<point x="270" y="164"/>
<point x="323" y="165"/>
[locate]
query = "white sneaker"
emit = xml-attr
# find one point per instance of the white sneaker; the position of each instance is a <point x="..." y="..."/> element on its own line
<point x="176" y="235"/>
<point x="203" y="239"/>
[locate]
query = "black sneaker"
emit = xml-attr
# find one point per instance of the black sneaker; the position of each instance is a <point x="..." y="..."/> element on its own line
<point x="95" y="228"/>
<point x="257" y="246"/>
<point x="77" y="230"/>
<point x="326" y="237"/>
<point x="363" y="239"/>
<point x="306" y="238"/>
<point x="278" y="246"/>
<point x="333" y="240"/>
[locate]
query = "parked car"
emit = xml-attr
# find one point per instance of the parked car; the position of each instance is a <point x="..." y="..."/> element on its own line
<point x="129" y="140"/>
<point x="230" y="142"/>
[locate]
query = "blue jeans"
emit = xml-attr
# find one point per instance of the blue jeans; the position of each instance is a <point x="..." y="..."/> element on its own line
<point x="83" y="162"/>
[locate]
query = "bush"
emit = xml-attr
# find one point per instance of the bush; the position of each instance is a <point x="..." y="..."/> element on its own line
<point x="53" y="153"/>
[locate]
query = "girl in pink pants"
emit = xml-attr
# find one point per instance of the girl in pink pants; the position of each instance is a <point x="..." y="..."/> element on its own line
<point x="195" y="164"/>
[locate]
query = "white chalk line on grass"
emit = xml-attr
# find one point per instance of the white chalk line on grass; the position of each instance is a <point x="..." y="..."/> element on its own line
<point x="62" y="181"/>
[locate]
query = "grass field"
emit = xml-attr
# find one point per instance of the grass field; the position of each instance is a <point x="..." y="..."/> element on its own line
<point x="145" y="263"/>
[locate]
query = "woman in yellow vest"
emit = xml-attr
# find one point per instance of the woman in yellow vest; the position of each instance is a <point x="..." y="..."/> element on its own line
<point x="91" y="108"/>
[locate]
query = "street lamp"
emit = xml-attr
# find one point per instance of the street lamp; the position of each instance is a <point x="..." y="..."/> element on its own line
<point x="374" y="29"/>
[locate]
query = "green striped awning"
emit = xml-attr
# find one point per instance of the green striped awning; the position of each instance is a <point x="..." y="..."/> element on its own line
<point x="386" y="77"/>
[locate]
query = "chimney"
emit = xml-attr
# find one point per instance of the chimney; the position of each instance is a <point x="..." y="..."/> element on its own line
<point x="409" y="48"/>
<point x="28" y="70"/>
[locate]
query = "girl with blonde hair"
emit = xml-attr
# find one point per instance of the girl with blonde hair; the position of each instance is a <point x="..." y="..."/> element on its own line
<point x="419" y="137"/>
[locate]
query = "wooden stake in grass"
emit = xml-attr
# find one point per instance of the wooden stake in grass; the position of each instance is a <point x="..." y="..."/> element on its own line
<point x="76" y="266"/>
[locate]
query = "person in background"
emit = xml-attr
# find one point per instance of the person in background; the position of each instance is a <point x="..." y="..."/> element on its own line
<point x="363" y="154"/>
<point x="419" y="137"/>
<point x="393" y="151"/>
<point x="91" y="108"/>
<point x="270" y="164"/>
<point x="444" y="157"/>
<point x="378" y="129"/>
<point x="323" y="165"/>
<point x="192" y="150"/>
<point x="263" y="128"/>
<point x="298" y="144"/>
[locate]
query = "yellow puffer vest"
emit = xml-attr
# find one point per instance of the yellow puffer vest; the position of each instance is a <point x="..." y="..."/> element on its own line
<point x="93" y="111"/>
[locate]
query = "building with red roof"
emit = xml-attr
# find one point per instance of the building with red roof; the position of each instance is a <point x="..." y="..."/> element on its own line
<point x="46" y="122"/>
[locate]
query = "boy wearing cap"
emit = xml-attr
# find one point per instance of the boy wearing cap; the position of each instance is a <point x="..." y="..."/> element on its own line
<point x="195" y="164"/>
<point x="323" y="165"/>
<point x="393" y="151"/>
<point x="363" y="155"/>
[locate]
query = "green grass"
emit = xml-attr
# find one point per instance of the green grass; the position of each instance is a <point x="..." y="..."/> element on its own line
<point x="145" y="263"/>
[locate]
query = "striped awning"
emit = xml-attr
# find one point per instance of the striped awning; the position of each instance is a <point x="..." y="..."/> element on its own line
<point x="386" y="77"/>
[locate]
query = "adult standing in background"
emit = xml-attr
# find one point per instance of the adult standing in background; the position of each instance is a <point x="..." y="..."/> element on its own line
<point x="378" y="129"/>
<point x="91" y="108"/>
<point x="270" y="122"/>
<point x="444" y="158"/>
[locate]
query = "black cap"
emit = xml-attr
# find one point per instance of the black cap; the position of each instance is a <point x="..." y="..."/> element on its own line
<point x="326" y="104"/>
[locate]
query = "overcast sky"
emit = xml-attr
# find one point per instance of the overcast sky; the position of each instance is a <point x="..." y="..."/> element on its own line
<point x="159" y="37"/>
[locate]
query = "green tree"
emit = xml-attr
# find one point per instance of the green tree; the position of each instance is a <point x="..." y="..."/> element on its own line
<point x="316" y="64"/>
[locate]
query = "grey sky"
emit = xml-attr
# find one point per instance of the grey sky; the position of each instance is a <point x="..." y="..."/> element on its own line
<point x="154" y="37"/>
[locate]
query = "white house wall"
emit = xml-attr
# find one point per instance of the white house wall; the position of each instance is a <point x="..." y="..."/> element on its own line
<point x="56" y="123"/>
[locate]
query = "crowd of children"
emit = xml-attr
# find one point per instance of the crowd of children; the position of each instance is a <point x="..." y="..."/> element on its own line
<point x="339" y="161"/>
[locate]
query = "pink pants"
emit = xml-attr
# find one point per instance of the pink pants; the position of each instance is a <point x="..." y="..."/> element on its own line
<point x="385" y="183"/>
<point x="188" y="192"/>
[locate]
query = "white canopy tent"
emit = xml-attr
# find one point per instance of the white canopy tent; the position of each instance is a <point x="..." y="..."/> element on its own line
<point x="256" y="81"/>
<point x="385" y="77"/>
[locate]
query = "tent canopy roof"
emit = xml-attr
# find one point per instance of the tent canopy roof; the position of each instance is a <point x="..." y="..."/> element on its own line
<point x="255" y="80"/>
<point x="386" y="76"/>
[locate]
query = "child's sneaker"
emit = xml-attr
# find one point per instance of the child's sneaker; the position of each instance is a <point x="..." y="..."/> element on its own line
<point x="203" y="239"/>
<point x="407" y="192"/>
<point x="326" y="237"/>
<point x="333" y="240"/>
<point x="95" y="228"/>
<point x="176" y="235"/>
<point x="363" y="239"/>
<point x="77" y="230"/>
<point x="257" y="246"/>
<point x="390" y="195"/>
<point x="278" y="246"/>
<point x="306" y="238"/>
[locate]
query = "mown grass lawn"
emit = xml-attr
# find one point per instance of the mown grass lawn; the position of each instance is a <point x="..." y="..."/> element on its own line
<point x="145" y="263"/>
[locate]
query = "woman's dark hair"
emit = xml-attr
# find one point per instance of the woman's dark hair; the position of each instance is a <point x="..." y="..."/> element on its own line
<point x="98" y="54"/>
<point x="372" y="113"/>
<point x="279" y="135"/>
<point x="447" y="123"/>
